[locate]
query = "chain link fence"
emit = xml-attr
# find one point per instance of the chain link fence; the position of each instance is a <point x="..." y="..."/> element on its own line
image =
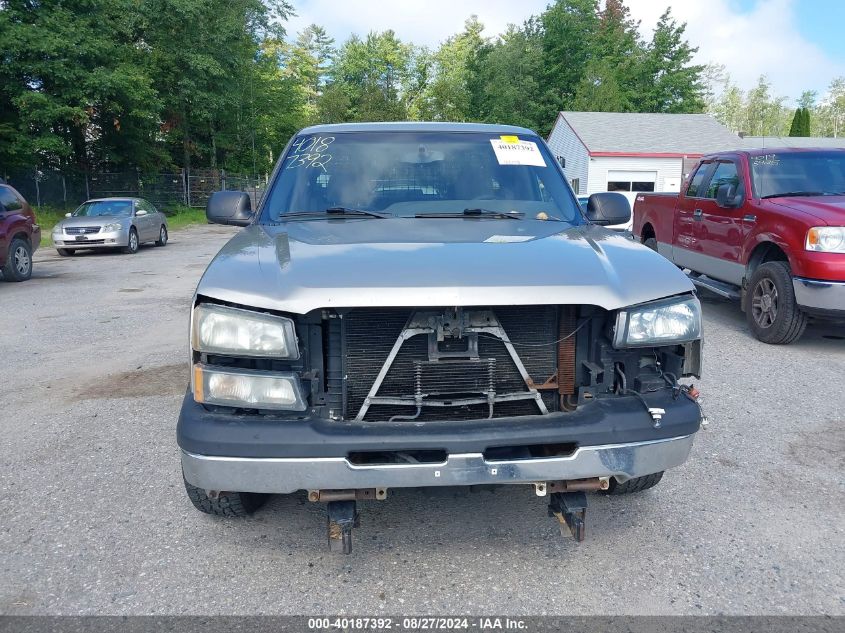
<point x="67" y="190"/>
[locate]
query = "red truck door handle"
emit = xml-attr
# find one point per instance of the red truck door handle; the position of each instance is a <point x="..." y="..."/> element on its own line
<point x="697" y="215"/>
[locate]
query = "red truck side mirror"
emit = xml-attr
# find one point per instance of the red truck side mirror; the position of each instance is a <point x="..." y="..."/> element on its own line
<point x="727" y="196"/>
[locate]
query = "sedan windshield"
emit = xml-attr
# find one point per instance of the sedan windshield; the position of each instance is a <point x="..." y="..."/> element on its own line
<point x="782" y="174"/>
<point x="419" y="174"/>
<point x="119" y="208"/>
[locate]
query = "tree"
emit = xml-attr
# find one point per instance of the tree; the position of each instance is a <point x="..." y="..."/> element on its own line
<point x="668" y="81"/>
<point x="447" y="96"/>
<point x="507" y="77"/>
<point x="372" y="74"/>
<point x="830" y="115"/>
<point x="73" y="87"/>
<point x="308" y="64"/>
<point x="766" y="114"/>
<point x="568" y="30"/>
<point x="797" y="126"/>
<point x="203" y="63"/>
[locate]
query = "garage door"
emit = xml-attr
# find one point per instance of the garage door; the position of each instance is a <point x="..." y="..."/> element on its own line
<point x="619" y="180"/>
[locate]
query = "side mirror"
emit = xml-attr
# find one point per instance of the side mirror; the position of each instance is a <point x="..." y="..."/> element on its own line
<point x="726" y="196"/>
<point x="140" y="212"/>
<point x="229" y="207"/>
<point x="608" y="208"/>
<point x="67" y="215"/>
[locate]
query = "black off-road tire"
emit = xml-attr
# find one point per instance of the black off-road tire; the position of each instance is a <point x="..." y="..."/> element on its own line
<point x="66" y="252"/>
<point x="18" y="264"/>
<point x="227" y="504"/>
<point x="651" y="242"/>
<point x="789" y="321"/>
<point x="637" y="484"/>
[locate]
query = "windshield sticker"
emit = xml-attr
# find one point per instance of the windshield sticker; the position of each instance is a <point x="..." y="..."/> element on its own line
<point x="510" y="139"/>
<point x="506" y="239"/>
<point x="519" y="153"/>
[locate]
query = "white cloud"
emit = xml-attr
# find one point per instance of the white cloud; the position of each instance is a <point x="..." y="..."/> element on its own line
<point x="763" y="40"/>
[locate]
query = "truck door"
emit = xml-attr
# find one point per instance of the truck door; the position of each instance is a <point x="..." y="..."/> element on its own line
<point x="685" y="249"/>
<point x="719" y="232"/>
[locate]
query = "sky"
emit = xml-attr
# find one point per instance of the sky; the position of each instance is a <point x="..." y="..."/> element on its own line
<point x="798" y="44"/>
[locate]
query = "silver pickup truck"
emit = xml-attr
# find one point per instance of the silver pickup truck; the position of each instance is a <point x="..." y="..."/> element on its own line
<point x="426" y="304"/>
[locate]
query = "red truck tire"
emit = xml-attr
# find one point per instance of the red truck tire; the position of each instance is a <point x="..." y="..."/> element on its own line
<point x="772" y="312"/>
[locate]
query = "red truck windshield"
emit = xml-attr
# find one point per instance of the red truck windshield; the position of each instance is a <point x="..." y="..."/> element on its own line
<point x="798" y="174"/>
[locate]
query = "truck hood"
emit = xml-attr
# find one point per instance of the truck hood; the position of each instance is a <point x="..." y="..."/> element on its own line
<point x="300" y="266"/>
<point x="829" y="209"/>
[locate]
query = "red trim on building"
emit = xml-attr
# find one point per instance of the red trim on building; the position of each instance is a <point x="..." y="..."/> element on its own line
<point x="644" y="155"/>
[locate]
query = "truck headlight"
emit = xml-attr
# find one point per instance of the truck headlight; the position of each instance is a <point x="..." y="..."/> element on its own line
<point x="659" y="323"/>
<point x="826" y="239"/>
<point x="246" y="388"/>
<point x="219" y="329"/>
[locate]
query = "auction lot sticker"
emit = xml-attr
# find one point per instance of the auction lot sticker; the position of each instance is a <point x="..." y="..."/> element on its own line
<point x="511" y="151"/>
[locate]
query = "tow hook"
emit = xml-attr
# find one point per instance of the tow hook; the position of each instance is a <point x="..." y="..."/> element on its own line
<point x="342" y="513"/>
<point x="341" y="517"/>
<point x="656" y="415"/>
<point x="570" y="509"/>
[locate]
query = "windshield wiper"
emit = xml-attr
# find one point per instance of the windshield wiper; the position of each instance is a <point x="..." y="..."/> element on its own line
<point x="333" y="211"/>
<point x="794" y="194"/>
<point x="475" y="213"/>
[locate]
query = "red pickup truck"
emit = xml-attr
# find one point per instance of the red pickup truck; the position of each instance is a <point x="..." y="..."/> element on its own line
<point x="765" y="226"/>
<point x="20" y="235"/>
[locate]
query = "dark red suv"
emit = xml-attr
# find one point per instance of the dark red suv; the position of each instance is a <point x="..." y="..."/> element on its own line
<point x="19" y="235"/>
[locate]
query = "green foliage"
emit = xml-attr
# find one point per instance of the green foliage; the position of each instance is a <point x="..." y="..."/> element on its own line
<point x="158" y="84"/>
<point x="800" y="123"/>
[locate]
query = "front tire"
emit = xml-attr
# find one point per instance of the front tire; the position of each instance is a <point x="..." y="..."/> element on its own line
<point x="773" y="314"/>
<point x="132" y="244"/>
<point x="18" y="264"/>
<point x="637" y="484"/>
<point x="226" y="504"/>
<point x="162" y="236"/>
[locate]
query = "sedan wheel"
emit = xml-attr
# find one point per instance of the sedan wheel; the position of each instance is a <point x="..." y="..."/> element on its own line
<point x="162" y="236"/>
<point x="132" y="246"/>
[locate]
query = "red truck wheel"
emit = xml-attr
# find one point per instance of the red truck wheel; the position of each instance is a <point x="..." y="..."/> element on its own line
<point x="772" y="312"/>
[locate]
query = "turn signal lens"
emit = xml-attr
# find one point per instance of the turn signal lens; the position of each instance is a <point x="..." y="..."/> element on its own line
<point x="247" y="389"/>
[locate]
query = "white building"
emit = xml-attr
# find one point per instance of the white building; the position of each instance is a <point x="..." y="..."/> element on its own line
<point x="631" y="152"/>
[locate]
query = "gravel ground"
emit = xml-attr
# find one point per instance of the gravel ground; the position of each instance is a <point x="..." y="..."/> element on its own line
<point x="95" y="519"/>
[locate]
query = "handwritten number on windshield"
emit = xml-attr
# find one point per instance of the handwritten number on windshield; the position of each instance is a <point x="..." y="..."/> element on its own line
<point x="310" y="151"/>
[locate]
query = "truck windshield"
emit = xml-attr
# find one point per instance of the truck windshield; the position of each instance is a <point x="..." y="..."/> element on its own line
<point x="409" y="174"/>
<point x="798" y="174"/>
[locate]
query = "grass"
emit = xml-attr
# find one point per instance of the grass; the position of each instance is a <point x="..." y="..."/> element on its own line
<point x="178" y="217"/>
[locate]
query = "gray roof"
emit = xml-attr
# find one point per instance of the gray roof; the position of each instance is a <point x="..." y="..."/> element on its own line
<point x="755" y="142"/>
<point x="649" y="133"/>
<point x="416" y="126"/>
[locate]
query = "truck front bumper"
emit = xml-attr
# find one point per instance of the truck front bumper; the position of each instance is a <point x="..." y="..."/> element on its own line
<point x="610" y="437"/>
<point x="286" y="475"/>
<point x="823" y="298"/>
